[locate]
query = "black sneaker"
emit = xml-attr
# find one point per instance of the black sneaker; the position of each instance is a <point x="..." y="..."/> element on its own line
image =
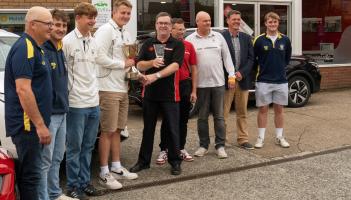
<point x="90" y="190"/>
<point x="247" y="146"/>
<point x="77" y="194"/>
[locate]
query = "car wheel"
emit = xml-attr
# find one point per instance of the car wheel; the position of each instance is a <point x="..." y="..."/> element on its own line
<point x="299" y="91"/>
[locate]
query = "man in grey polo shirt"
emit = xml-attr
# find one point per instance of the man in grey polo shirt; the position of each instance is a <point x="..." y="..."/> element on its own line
<point x="211" y="51"/>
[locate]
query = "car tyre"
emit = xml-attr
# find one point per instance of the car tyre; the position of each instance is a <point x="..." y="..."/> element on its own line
<point x="299" y="91"/>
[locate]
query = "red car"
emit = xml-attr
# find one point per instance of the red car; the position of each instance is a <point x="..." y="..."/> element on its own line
<point x="7" y="176"/>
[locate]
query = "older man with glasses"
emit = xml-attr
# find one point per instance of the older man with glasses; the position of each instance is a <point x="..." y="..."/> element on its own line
<point x="28" y="96"/>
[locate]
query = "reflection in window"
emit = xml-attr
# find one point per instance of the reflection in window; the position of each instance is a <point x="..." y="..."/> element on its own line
<point x="186" y="9"/>
<point x="326" y="30"/>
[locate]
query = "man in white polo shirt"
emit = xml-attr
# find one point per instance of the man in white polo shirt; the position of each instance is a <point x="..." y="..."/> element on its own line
<point x="211" y="51"/>
<point x="81" y="51"/>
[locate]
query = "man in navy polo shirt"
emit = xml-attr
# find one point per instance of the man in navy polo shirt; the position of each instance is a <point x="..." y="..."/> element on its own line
<point x="28" y="95"/>
<point x="161" y="93"/>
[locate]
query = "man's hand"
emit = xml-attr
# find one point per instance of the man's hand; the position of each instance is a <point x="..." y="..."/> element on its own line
<point x="129" y="63"/>
<point x="150" y="79"/>
<point x="44" y="135"/>
<point x="238" y="76"/>
<point x="142" y="78"/>
<point x="231" y="82"/>
<point x="193" y="97"/>
<point x="157" y="62"/>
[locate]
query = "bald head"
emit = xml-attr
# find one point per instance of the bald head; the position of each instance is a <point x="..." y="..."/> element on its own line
<point x="202" y="15"/>
<point x="203" y="22"/>
<point x="38" y="13"/>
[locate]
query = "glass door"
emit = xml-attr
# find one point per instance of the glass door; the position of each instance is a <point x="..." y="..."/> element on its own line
<point x="253" y="12"/>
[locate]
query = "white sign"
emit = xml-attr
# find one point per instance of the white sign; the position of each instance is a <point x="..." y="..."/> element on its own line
<point x="104" y="11"/>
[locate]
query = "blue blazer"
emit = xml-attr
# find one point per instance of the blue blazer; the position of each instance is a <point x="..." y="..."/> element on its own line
<point x="246" y="58"/>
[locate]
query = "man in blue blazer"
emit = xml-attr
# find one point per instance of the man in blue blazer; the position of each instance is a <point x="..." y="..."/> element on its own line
<point x="241" y="51"/>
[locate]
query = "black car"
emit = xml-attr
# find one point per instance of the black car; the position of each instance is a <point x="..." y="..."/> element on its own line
<point x="303" y="76"/>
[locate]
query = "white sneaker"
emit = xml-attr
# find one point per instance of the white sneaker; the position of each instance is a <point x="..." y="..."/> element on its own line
<point x="109" y="182"/>
<point x="123" y="173"/>
<point x="162" y="158"/>
<point x="282" y="142"/>
<point x="259" y="143"/>
<point x="64" y="197"/>
<point x="221" y="153"/>
<point x="200" y="152"/>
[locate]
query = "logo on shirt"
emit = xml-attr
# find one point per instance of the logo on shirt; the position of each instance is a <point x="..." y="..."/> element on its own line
<point x="265" y="48"/>
<point x="281" y="47"/>
<point x="151" y="49"/>
<point x="53" y="65"/>
<point x="43" y="62"/>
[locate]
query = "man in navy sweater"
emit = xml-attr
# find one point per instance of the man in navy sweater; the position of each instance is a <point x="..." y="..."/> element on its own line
<point x="53" y="153"/>
<point x="273" y="52"/>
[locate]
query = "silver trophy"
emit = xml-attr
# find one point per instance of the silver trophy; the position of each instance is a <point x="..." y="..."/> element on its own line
<point x="131" y="51"/>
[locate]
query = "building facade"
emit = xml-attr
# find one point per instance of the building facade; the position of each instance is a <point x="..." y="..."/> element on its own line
<point x="317" y="28"/>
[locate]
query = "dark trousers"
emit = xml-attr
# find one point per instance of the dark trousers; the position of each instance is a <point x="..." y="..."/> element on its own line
<point x="170" y="116"/>
<point x="29" y="152"/>
<point x="184" y="109"/>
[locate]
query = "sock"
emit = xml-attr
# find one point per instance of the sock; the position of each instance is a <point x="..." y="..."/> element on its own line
<point x="261" y="132"/>
<point x="279" y="132"/>
<point x="116" y="165"/>
<point x="104" y="170"/>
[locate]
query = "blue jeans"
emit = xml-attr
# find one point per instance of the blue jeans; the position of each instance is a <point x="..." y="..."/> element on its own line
<point x="28" y="175"/>
<point x="52" y="157"/>
<point x="82" y="128"/>
<point x="211" y="99"/>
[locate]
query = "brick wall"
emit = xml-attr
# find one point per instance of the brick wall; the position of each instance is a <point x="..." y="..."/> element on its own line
<point x="335" y="77"/>
<point x="19" y="4"/>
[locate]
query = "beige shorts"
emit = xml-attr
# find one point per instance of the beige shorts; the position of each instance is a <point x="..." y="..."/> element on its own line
<point x="114" y="110"/>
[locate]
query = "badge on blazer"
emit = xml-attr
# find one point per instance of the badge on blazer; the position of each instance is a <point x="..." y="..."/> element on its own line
<point x="265" y="48"/>
<point x="281" y="47"/>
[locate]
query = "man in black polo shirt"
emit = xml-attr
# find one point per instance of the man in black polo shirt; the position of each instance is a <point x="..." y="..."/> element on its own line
<point x="161" y="93"/>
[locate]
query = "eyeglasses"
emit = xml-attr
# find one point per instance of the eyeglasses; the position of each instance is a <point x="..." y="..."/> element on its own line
<point x="49" y="24"/>
<point x="163" y="23"/>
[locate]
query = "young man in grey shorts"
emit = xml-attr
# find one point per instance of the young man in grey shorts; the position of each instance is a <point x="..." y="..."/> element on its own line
<point x="273" y="51"/>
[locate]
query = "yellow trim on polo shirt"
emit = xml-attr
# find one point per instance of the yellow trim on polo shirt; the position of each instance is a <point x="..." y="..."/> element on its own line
<point x="26" y="122"/>
<point x="59" y="45"/>
<point x="257" y="37"/>
<point x="30" y="49"/>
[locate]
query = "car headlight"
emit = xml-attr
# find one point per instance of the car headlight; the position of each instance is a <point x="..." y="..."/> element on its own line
<point x="315" y="65"/>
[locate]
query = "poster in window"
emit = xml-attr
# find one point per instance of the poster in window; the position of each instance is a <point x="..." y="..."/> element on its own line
<point x="332" y="24"/>
<point x="311" y="24"/>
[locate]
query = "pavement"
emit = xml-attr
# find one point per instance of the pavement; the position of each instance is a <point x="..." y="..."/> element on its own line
<point x="316" y="166"/>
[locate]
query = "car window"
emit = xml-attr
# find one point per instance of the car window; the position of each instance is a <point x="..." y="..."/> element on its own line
<point x="5" y="46"/>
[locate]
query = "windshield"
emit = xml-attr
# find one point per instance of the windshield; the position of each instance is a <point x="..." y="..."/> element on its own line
<point x="5" y="46"/>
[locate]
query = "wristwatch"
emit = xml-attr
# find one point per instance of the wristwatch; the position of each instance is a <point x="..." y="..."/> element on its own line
<point x="158" y="75"/>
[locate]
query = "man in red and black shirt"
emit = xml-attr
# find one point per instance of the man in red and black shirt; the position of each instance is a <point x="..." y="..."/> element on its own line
<point x="161" y="92"/>
<point x="187" y="89"/>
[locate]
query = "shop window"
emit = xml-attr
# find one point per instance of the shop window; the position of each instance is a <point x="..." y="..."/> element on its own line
<point x="186" y="9"/>
<point x="326" y="30"/>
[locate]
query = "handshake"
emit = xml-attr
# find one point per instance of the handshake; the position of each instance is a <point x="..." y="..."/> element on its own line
<point x="148" y="79"/>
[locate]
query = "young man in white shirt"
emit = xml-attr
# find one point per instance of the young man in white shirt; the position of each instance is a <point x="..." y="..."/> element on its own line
<point x="113" y="91"/>
<point x="81" y="51"/>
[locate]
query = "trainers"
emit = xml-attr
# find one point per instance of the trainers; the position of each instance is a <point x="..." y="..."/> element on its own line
<point x="246" y="146"/>
<point x="90" y="190"/>
<point x="107" y="181"/>
<point x="282" y="142"/>
<point x="123" y="173"/>
<point x="77" y="194"/>
<point x="64" y="197"/>
<point x="259" y="143"/>
<point x="221" y="153"/>
<point x="162" y="158"/>
<point x="186" y="156"/>
<point x="200" y="152"/>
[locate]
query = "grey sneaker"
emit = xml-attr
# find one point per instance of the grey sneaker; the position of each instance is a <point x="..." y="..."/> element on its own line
<point x="221" y="153"/>
<point x="282" y="142"/>
<point x="200" y="152"/>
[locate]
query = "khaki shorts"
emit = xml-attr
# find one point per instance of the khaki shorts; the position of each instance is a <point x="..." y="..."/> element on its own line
<point x="114" y="110"/>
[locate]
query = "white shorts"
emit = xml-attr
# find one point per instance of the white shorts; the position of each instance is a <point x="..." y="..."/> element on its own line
<point x="267" y="93"/>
